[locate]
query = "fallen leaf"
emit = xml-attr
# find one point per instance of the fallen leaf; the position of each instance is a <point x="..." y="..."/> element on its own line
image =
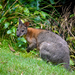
<point x="11" y="48"/>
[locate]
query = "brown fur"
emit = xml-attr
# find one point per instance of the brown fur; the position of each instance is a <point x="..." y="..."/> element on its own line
<point x="32" y="33"/>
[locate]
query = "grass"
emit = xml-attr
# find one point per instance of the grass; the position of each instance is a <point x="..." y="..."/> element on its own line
<point x="23" y="63"/>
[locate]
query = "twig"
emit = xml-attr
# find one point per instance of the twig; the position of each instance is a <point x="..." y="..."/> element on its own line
<point x="70" y="31"/>
<point x="11" y="48"/>
<point x="9" y="8"/>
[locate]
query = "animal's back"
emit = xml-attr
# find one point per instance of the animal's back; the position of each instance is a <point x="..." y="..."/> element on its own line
<point x="53" y="48"/>
<point x="33" y="33"/>
<point x="49" y="36"/>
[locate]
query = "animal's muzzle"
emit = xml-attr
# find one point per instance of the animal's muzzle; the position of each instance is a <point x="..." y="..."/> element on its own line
<point x="18" y="35"/>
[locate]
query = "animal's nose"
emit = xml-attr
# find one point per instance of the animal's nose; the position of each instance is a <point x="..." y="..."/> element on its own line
<point x="17" y="35"/>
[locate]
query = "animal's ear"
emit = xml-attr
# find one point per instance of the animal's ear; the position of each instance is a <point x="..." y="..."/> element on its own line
<point x="26" y="24"/>
<point x="20" y="22"/>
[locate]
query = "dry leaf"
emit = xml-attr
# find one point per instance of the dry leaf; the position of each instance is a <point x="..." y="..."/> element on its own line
<point x="11" y="48"/>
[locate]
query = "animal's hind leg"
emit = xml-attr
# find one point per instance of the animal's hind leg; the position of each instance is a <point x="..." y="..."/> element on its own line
<point x="44" y="55"/>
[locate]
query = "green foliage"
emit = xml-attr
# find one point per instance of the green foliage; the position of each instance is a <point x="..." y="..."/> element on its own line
<point x="12" y="31"/>
<point x="9" y="32"/>
<point x="26" y="11"/>
<point x="52" y="1"/>
<point x="2" y="19"/>
<point x="41" y="14"/>
<point x="0" y="6"/>
<point x="19" y="63"/>
<point x="13" y="10"/>
<point x="21" y="42"/>
<point x="6" y="25"/>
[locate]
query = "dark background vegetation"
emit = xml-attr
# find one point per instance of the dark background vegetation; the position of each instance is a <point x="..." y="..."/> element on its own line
<point x="55" y="15"/>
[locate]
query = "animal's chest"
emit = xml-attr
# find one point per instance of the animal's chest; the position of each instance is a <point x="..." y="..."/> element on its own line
<point x="30" y="39"/>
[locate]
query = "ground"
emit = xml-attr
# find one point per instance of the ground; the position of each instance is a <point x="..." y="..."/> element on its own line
<point x="23" y="63"/>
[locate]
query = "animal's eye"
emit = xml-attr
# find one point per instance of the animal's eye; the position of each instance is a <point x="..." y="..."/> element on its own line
<point x="22" y="30"/>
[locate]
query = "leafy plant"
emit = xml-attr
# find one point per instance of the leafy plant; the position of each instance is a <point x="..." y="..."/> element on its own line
<point x="41" y="14"/>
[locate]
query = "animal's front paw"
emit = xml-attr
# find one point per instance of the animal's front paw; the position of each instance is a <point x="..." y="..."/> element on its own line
<point x="27" y="50"/>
